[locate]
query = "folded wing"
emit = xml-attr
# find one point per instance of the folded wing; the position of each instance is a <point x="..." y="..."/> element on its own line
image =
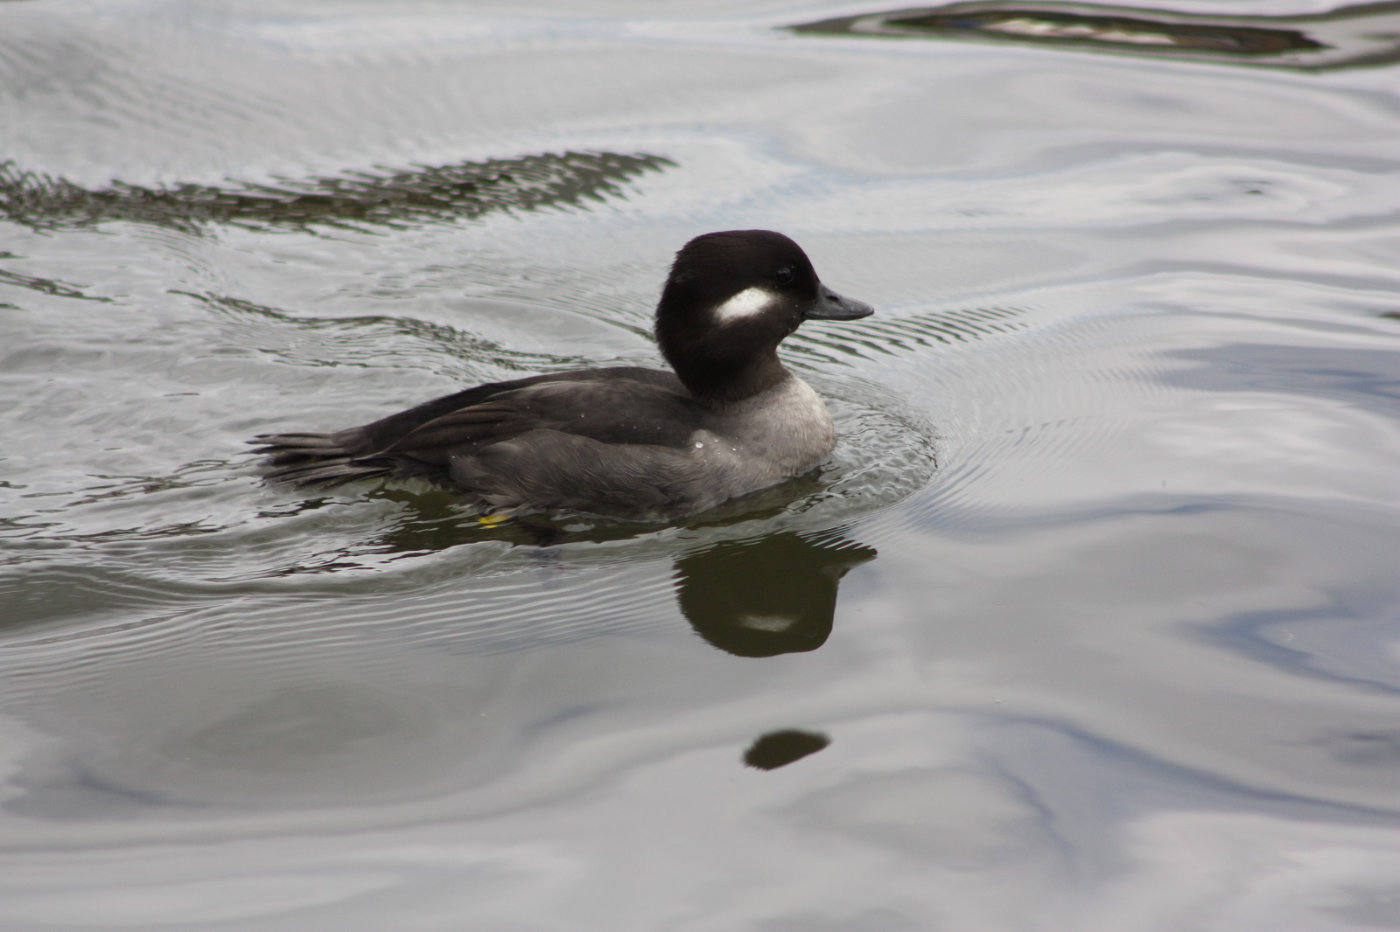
<point x="585" y="423"/>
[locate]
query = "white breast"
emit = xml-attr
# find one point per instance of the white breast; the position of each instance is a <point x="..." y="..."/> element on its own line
<point x="774" y="435"/>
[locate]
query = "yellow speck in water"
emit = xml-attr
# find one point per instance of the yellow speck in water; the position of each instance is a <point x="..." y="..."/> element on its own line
<point x="490" y="520"/>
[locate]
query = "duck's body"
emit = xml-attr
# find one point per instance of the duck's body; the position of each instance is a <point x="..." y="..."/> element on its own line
<point x="624" y="441"/>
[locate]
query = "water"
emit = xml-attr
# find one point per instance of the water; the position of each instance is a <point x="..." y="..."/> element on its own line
<point x="1089" y="623"/>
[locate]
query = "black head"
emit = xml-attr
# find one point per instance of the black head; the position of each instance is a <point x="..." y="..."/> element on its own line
<point x="730" y="299"/>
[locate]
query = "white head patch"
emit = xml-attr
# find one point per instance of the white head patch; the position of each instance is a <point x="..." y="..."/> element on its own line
<point x="748" y="303"/>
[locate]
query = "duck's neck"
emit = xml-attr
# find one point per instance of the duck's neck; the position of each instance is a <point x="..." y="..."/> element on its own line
<point x="720" y="386"/>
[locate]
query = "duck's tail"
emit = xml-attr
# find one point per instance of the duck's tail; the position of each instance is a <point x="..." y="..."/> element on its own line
<point x="317" y="459"/>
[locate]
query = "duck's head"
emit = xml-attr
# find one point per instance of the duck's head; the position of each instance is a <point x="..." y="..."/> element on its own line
<point x="730" y="299"/>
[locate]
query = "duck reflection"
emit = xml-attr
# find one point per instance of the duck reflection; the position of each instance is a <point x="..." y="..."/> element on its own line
<point x="772" y="595"/>
<point x="780" y="748"/>
<point x="752" y="597"/>
<point x="755" y="597"/>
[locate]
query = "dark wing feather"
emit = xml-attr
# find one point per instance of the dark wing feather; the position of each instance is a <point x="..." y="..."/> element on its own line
<point x="622" y="405"/>
<point x="615" y="411"/>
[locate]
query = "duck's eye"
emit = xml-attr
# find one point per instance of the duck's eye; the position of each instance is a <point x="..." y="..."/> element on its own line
<point x="784" y="275"/>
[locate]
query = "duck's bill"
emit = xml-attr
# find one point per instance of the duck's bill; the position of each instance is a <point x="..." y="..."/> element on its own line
<point x="832" y="306"/>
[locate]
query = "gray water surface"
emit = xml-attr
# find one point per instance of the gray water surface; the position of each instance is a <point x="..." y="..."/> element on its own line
<point x="1089" y="623"/>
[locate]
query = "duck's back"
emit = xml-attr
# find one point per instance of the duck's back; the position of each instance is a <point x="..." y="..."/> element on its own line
<point x="615" y="439"/>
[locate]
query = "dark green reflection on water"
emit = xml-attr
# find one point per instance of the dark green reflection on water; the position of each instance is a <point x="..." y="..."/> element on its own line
<point x="450" y="340"/>
<point x="43" y="285"/>
<point x="1347" y="37"/>
<point x="376" y="198"/>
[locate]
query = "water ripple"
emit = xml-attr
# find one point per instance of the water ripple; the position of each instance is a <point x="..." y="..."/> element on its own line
<point x="1363" y="35"/>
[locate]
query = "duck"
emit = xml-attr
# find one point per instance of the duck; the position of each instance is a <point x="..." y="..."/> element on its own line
<point x="728" y="420"/>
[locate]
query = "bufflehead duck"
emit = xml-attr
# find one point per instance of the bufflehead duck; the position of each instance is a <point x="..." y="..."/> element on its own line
<point x="623" y="441"/>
